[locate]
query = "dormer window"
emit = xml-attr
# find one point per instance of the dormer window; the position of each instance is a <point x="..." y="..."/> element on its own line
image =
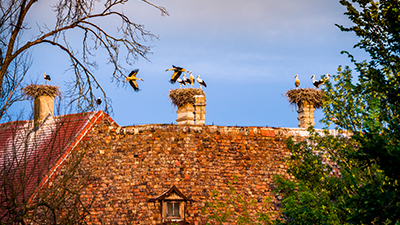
<point x="172" y="205"/>
<point x="173" y="210"/>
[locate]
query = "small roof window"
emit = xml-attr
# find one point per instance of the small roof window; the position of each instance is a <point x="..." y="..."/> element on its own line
<point x="172" y="205"/>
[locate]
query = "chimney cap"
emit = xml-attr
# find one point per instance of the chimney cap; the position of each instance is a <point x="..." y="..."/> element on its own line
<point x="36" y="90"/>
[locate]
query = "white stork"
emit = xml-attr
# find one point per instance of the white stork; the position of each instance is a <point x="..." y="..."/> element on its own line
<point x="325" y="79"/>
<point x="185" y="79"/>
<point x="191" y="78"/>
<point x="200" y="81"/>
<point x="297" y="81"/>
<point x="132" y="79"/>
<point x="177" y="73"/>
<point x="98" y="102"/>
<point x="46" y="78"/>
<point x="180" y="81"/>
<point x="316" y="82"/>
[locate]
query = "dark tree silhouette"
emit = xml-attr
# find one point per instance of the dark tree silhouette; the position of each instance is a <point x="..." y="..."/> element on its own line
<point x="70" y="15"/>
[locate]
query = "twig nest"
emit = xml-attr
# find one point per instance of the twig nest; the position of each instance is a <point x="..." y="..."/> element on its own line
<point x="35" y="90"/>
<point x="182" y="96"/>
<point x="310" y="95"/>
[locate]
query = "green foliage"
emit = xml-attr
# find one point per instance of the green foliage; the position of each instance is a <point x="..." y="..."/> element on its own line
<point x="366" y="189"/>
<point x="316" y="192"/>
<point x="234" y="208"/>
<point x="331" y="185"/>
<point x="344" y="103"/>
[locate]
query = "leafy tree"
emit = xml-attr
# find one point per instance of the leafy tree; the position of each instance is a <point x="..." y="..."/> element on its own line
<point x="71" y="16"/>
<point x="366" y="189"/>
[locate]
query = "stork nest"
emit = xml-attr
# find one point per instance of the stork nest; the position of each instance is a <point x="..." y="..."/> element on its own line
<point x="183" y="96"/>
<point x="35" y="90"/>
<point x="311" y="95"/>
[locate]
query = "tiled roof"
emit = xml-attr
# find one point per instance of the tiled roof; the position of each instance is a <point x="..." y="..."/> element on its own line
<point x="30" y="156"/>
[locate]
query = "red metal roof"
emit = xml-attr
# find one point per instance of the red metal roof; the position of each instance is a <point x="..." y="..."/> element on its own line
<point x="30" y="156"/>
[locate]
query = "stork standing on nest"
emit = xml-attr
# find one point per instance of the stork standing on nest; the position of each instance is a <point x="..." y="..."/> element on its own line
<point x="297" y="81"/>
<point x="191" y="78"/>
<point x="181" y="82"/>
<point x="185" y="79"/>
<point x="316" y="82"/>
<point x="177" y="73"/>
<point x="132" y="79"/>
<point x="46" y="78"/>
<point x="325" y="79"/>
<point x="200" y="81"/>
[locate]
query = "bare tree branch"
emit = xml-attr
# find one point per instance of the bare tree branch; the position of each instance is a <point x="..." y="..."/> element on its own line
<point x="71" y="15"/>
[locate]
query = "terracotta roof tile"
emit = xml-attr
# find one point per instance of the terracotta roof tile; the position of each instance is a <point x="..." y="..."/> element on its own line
<point x="30" y="156"/>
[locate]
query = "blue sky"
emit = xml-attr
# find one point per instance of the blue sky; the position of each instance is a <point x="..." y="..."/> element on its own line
<point x="248" y="52"/>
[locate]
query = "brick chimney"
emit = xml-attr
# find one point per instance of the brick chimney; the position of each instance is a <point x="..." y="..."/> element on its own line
<point x="43" y="106"/>
<point x="199" y="109"/>
<point x="306" y="114"/>
<point x="43" y="96"/>
<point x="192" y="114"/>
<point x="307" y="100"/>
<point x="191" y="104"/>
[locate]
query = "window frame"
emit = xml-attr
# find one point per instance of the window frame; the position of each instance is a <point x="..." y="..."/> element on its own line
<point x="181" y="210"/>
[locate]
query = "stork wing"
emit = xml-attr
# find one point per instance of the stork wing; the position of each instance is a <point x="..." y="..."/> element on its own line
<point x="133" y="73"/>
<point x="134" y="85"/>
<point x="317" y="83"/>
<point x="177" y="67"/>
<point x="175" y="76"/>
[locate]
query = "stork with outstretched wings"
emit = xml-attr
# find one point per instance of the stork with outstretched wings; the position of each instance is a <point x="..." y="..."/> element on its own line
<point x="177" y="73"/>
<point x="132" y="79"/>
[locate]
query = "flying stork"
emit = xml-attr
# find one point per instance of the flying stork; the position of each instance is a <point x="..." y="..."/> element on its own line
<point x="46" y="77"/>
<point x="177" y="73"/>
<point x="132" y="79"/>
<point x="200" y="81"/>
<point x="191" y="78"/>
<point x="316" y="82"/>
<point x="297" y="81"/>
